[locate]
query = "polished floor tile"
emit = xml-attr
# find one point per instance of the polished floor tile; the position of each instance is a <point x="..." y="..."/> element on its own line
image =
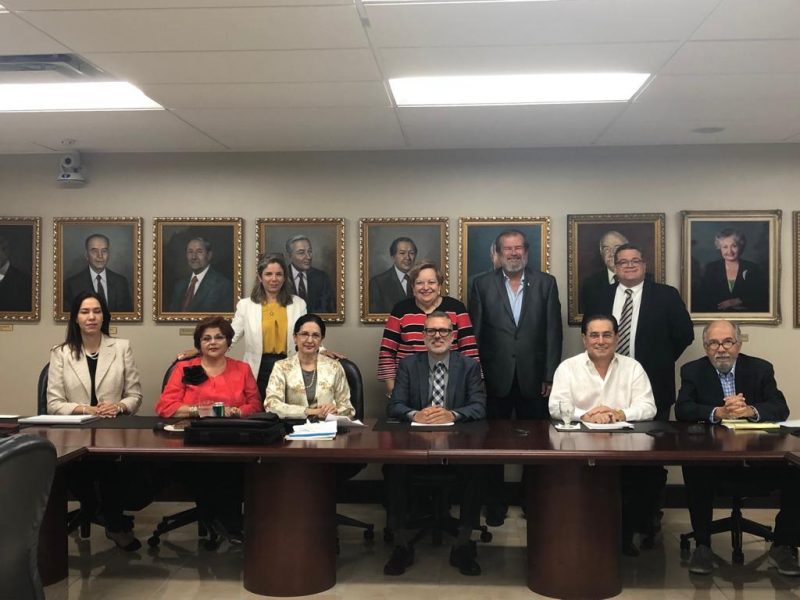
<point x="182" y="569"/>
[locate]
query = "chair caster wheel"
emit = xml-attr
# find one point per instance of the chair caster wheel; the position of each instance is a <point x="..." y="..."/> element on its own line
<point x="486" y="536"/>
<point x="737" y="558"/>
<point x="153" y="541"/>
<point x="369" y="535"/>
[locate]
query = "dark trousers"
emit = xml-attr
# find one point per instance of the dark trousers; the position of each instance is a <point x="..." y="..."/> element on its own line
<point x="703" y="482"/>
<point x="265" y="370"/>
<point x="398" y="479"/>
<point x="641" y="490"/>
<point x="514" y="404"/>
<point x="218" y="491"/>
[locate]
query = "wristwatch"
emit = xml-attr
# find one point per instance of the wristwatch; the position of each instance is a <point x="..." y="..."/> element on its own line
<point x="194" y="412"/>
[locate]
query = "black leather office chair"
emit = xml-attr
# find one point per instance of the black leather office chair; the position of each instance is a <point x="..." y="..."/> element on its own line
<point x="27" y="466"/>
<point x="185" y="517"/>
<point x="356" y="384"/>
<point x="79" y="518"/>
<point x="736" y="523"/>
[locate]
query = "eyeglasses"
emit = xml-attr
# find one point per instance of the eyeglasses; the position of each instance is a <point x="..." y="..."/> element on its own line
<point x="206" y="339"/>
<point x="431" y="332"/>
<point x="304" y="335"/>
<point x="726" y="344"/>
<point x="606" y="335"/>
<point x="635" y="262"/>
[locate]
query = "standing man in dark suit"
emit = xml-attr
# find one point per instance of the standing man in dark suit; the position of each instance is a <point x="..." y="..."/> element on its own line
<point x="728" y="385"/>
<point x="98" y="278"/>
<point x="516" y="315"/>
<point x="388" y="288"/>
<point x="311" y="284"/>
<point x="15" y="285"/>
<point x="435" y="387"/>
<point x="205" y="290"/>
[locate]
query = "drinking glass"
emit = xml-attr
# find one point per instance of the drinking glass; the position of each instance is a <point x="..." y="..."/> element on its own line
<point x="567" y="410"/>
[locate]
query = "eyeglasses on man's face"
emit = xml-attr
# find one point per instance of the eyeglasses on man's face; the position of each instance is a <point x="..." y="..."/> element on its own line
<point x="727" y="344"/>
<point x="634" y="262"/>
<point x="442" y="331"/>
<point x="304" y="335"/>
<point x="605" y="336"/>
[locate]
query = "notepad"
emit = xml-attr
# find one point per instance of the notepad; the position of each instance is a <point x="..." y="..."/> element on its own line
<point x="619" y="425"/>
<point x="742" y="425"/>
<point x="415" y="424"/>
<point x="58" y="419"/>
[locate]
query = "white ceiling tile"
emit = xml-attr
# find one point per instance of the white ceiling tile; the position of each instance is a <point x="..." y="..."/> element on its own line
<point x="724" y="87"/>
<point x="204" y="29"/>
<point x="108" y="131"/>
<point x="18" y="37"/>
<point x="644" y="57"/>
<point x="710" y="110"/>
<point x="752" y="19"/>
<point x="506" y="127"/>
<point x="240" y="67"/>
<point x="680" y="132"/>
<point x="268" y="95"/>
<point x="780" y="56"/>
<point x="299" y="129"/>
<point x="526" y="23"/>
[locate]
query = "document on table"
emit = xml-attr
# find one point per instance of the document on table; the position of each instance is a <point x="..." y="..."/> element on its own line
<point x="415" y="424"/>
<point x="321" y="431"/>
<point x="619" y="425"/>
<point x="345" y="421"/>
<point x="790" y="423"/>
<point x="58" y="419"/>
<point x="743" y="424"/>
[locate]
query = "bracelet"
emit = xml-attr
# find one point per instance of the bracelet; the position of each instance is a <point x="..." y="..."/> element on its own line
<point x="194" y="412"/>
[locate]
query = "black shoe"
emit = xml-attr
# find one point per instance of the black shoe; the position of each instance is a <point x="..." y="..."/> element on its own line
<point x="496" y="514"/>
<point x="702" y="561"/>
<point x="402" y="558"/>
<point x="125" y="540"/>
<point x="463" y="557"/>
<point x="784" y="559"/>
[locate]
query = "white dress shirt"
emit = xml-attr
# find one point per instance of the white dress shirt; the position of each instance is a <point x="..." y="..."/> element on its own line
<point x="619" y="302"/>
<point x="625" y="387"/>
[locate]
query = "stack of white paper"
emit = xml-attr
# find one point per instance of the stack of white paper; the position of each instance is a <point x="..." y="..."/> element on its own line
<point x="344" y="421"/>
<point x="608" y="426"/>
<point x="321" y="430"/>
<point x="58" y="419"/>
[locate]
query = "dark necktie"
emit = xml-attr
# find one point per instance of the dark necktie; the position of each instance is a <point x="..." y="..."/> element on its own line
<point x="301" y="286"/>
<point x="189" y="296"/>
<point x="409" y="289"/>
<point x="624" y="346"/>
<point x="437" y="397"/>
<point x="100" y="289"/>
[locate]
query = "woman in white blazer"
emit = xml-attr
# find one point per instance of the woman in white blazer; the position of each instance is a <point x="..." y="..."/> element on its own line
<point x="268" y="315"/>
<point x="93" y="374"/>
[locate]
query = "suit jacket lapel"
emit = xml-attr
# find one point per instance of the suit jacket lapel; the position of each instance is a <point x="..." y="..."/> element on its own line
<point x="81" y="370"/>
<point x="104" y="360"/>
<point x="527" y="296"/>
<point x="422" y="378"/>
<point x="645" y="305"/>
<point x="713" y="381"/>
<point x="500" y="283"/>
<point x="453" y="377"/>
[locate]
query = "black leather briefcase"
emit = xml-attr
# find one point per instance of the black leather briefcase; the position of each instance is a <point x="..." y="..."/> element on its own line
<point x="217" y="431"/>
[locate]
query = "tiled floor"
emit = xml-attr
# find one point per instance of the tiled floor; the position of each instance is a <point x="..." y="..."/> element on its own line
<point x="181" y="570"/>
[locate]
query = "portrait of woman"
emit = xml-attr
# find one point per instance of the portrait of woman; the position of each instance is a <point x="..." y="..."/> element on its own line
<point x="731" y="283"/>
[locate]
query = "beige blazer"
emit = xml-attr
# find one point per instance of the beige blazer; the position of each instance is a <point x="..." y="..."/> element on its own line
<point x="247" y="323"/>
<point x="116" y="379"/>
<point x="286" y="391"/>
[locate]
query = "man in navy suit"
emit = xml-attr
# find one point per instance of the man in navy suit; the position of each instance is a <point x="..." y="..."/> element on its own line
<point x="516" y="315"/>
<point x="728" y="385"/>
<point x="311" y="284"/>
<point x="434" y="388"/>
<point x="205" y="290"/>
<point x="97" y="277"/>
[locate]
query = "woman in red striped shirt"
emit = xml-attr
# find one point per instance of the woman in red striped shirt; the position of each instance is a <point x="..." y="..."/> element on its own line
<point x="403" y="335"/>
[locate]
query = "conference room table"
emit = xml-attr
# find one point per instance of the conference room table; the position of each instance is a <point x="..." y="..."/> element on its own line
<point x="571" y="496"/>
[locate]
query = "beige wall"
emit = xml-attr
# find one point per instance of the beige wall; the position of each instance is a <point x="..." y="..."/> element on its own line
<point x="353" y="185"/>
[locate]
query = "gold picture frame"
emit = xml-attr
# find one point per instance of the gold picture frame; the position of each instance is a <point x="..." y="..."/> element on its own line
<point x="74" y="263"/>
<point x="429" y="235"/>
<point x="208" y="247"/>
<point x="796" y="261"/>
<point x="20" y="240"/>
<point x="587" y="266"/>
<point x="476" y="240"/>
<point x="706" y="251"/>
<point x="324" y="265"/>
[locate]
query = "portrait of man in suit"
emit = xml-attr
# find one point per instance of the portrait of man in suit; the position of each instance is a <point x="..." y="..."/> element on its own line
<point x="516" y="316"/>
<point x="311" y="284"/>
<point x="98" y="277"/>
<point x="15" y="284"/>
<point x="595" y="284"/>
<point x="203" y="289"/>
<point x="388" y="288"/>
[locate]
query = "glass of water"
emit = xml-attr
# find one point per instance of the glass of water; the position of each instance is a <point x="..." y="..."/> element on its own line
<point x="567" y="410"/>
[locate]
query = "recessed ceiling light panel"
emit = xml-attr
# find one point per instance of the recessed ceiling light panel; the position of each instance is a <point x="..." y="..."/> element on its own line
<point x="551" y="88"/>
<point x="65" y="97"/>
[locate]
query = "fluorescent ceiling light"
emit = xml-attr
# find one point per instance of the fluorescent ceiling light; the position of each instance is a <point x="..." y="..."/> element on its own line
<point x="557" y="88"/>
<point x="3" y="9"/>
<point x="445" y="1"/>
<point x="45" y="97"/>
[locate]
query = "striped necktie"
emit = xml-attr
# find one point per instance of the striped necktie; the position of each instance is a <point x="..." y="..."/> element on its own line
<point x="624" y="346"/>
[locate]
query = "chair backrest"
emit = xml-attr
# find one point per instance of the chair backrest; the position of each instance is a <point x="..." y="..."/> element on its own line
<point x="27" y="465"/>
<point x="41" y="390"/>
<point x="356" y="384"/>
<point x="168" y="373"/>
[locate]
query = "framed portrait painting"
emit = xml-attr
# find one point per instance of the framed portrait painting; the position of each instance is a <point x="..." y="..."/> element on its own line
<point x="476" y="245"/>
<point x="101" y="254"/>
<point x="314" y="252"/>
<point x="389" y="249"/>
<point x="197" y="267"/>
<point x="592" y="241"/>
<point x="20" y="239"/>
<point x="731" y="265"/>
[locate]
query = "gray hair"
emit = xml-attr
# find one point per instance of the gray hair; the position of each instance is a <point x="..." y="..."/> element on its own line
<point x="295" y="238"/>
<point x="737" y="332"/>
